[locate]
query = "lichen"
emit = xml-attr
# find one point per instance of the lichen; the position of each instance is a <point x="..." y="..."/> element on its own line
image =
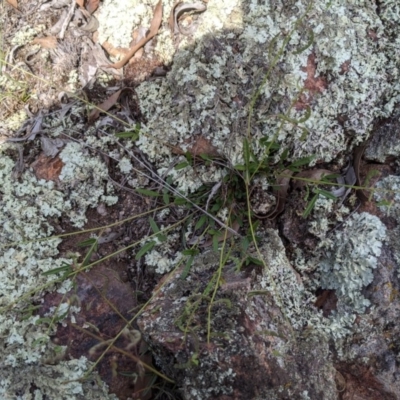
<point x="60" y="381"/>
<point x="387" y="196"/>
<point x="86" y="175"/>
<point x="161" y="258"/>
<point x="349" y="260"/>
<point x="27" y="207"/>
<point x="15" y="121"/>
<point x="117" y="22"/>
<point x="207" y="91"/>
<point x="25" y="34"/>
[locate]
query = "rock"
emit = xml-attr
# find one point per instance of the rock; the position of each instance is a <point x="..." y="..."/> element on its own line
<point x="243" y="347"/>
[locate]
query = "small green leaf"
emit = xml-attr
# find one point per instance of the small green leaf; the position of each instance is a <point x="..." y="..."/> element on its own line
<point x="179" y="201"/>
<point x="200" y="222"/>
<point x="28" y="312"/>
<point x="307" y="195"/>
<point x="93" y="243"/>
<point x="215" y="241"/>
<point x="304" y="134"/>
<point x="189" y="157"/>
<point x="156" y="229"/>
<point x="153" y="225"/>
<point x="66" y="268"/>
<point x="166" y="197"/>
<point x="271" y="145"/>
<point x="255" y="225"/>
<point x="206" y="157"/>
<point x="147" y="192"/>
<point x="245" y="243"/>
<point x="302" y="161"/>
<point x="258" y="293"/>
<point x="255" y="260"/>
<point x="145" y="249"/>
<point x="128" y="135"/>
<point x="186" y="270"/>
<point x="327" y="194"/>
<point x="61" y="317"/>
<point x="284" y="154"/>
<point x="44" y="320"/>
<point x="384" y="203"/>
<point x="240" y="167"/>
<point x="216" y="207"/>
<point x="310" y="206"/>
<point x="246" y="152"/>
<point x="87" y="242"/>
<point x="181" y="165"/>
<point x="190" y="252"/>
<point x="370" y="175"/>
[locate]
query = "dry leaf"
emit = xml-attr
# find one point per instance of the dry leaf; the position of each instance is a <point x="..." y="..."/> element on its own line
<point x="198" y="146"/>
<point x="80" y="3"/>
<point x="154" y="27"/>
<point x="105" y="106"/>
<point x="312" y="174"/>
<point x="48" y="42"/>
<point x="13" y="3"/>
<point x="92" y="5"/>
<point x="47" y="167"/>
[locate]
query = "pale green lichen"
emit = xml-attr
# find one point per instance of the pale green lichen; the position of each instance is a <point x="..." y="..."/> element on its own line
<point x="60" y="381"/>
<point x="27" y="207"/>
<point x="349" y="260"/>
<point x="118" y="20"/>
<point x="161" y="258"/>
<point x="208" y="88"/>
<point x="125" y="165"/>
<point x="85" y="174"/>
<point x="387" y="195"/>
<point x="73" y="80"/>
<point x="15" y="121"/>
<point x="26" y="33"/>
<point x="294" y="295"/>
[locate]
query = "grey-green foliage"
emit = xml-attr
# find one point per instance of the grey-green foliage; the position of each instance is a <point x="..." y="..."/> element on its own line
<point x="350" y="258"/>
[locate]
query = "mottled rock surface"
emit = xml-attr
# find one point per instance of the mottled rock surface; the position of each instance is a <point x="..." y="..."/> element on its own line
<point x="336" y="81"/>
<point x="252" y="352"/>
